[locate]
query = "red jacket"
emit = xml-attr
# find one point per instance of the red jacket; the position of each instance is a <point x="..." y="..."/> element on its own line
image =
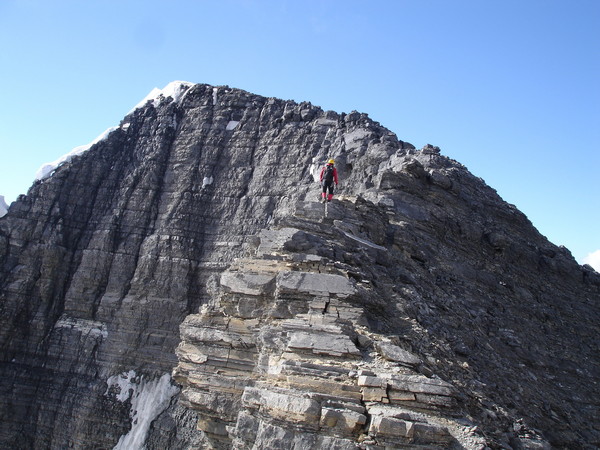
<point x="335" y="176"/>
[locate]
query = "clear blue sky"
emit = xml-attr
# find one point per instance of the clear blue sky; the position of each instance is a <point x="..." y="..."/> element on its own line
<point x="509" y="88"/>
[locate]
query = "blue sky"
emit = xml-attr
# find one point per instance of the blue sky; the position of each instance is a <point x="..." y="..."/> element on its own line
<point x="509" y="88"/>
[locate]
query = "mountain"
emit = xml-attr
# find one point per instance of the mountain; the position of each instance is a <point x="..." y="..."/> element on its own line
<point x="179" y="285"/>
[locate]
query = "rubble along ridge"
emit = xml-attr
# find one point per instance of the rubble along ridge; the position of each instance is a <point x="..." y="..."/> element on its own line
<point x="298" y="342"/>
<point x="421" y="310"/>
<point x="285" y="347"/>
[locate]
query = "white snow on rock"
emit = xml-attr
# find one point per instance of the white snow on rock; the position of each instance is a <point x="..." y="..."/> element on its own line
<point x="232" y="124"/>
<point x="593" y="259"/>
<point x="149" y="398"/>
<point x="315" y="169"/>
<point x="207" y="181"/>
<point x="175" y="89"/>
<point x="125" y="384"/>
<point x="3" y="206"/>
<point x="46" y="169"/>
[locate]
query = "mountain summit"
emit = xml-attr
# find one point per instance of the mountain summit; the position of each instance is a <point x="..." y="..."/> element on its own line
<point x="179" y="285"/>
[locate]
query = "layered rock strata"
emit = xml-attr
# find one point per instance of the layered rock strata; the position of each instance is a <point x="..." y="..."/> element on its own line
<point x="283" y="354"/>
<point x="422" y="311"/>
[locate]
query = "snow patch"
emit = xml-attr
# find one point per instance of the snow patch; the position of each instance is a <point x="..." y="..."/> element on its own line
<point x="207" y="181"/>
<point x="314" y="170"/>
<point x="149" y="398"/>
<point x="215" y="90"/>
<point x="3" y="206"/>
<point x="175" y="89"/>
<point x="232" y="124"/>
<point x="593" y="259"/>
<point x="124" y="384"/>
<point x="46" y="169"/>
<point x="153" y="95"/>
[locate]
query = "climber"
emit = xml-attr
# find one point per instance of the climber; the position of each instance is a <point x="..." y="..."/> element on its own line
<point x="328" y="176"/>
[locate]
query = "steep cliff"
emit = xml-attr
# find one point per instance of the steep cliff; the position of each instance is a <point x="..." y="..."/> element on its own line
<point x="179" y="285"/>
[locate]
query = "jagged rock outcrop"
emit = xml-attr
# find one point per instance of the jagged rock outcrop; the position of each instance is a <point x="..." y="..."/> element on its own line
<point x="422" y="310"/>
<point x="285" y="354"/>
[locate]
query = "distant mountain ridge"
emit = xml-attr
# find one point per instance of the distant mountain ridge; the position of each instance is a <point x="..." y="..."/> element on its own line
<point x="178" y="285"/>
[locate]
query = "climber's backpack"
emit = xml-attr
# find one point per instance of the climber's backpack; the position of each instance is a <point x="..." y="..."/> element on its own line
<point x="328" y="176"/>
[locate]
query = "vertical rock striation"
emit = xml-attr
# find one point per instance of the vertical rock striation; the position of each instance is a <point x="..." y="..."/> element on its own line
<point x="421" y="310"/>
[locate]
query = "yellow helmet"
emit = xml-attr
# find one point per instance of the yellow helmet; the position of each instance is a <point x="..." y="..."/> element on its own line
<point x="331" y="161"/>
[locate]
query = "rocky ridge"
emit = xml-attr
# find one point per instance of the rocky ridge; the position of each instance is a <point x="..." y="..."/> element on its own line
<point x="284" y="355"/>
<point x="420" y="311"/>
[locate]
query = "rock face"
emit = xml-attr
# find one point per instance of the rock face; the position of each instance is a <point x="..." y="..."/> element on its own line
<point x="285" y="353"/>
<point x="179" y="286"/>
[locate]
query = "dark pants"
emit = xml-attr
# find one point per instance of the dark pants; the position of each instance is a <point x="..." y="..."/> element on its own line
<point x="328" y="186"/>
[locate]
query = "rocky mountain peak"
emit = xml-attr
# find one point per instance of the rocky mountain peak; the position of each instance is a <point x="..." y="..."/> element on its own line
<point x="178" y="285"/>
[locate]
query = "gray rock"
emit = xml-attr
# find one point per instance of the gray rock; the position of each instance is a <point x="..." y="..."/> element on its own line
<point x="315" y="284"/>
<point x="323" y="344"/>
<point x="245" y="283"/>
<point x="175" y="246"/>
<point x="394" y="353"/>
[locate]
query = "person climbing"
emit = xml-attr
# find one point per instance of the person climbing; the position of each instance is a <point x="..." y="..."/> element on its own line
<point x="328" y="176"/>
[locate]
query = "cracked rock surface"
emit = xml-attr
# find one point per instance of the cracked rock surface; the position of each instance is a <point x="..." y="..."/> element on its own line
<point x="298" y="362"/>
<point x="179" y="286"/>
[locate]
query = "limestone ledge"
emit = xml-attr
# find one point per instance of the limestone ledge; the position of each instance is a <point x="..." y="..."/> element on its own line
<point x="282" y="349"/>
